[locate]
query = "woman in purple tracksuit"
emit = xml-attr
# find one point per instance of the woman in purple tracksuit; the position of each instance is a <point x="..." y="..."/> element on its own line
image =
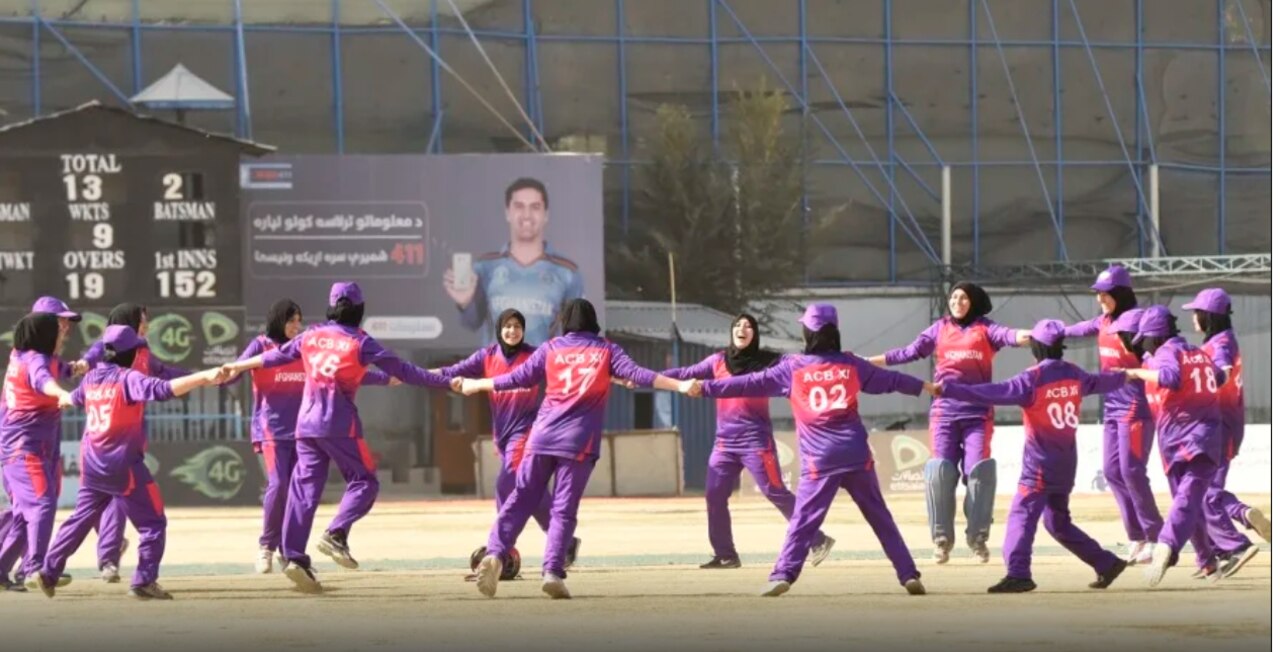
<point x="564" y="442"/>
<point x="744" y="438"/>
<point x="1212" y="316"/>
<point x="1049" y="394"/>
<point x="277" y="398"/>
<point x="512" y="415"/>
<point x="111" y="540"/>
<point x="1128" y="431"/>
<point x="823" y="384"/>
<point x="334" y="356"/>
<point x="111" y="460"/>
<point x="1181" y="385"/>
<point x="964" y="344"/>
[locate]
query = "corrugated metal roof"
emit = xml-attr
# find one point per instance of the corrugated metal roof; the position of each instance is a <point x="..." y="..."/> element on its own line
<point x="697" y="324"/>
<point x="182" y="89"/>
<point x="251" y="147"/>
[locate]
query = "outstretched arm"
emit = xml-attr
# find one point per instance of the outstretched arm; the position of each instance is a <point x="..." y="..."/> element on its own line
<point x="921" y="347"/>
<point x="874" y="380"/>
<point x="774" y="381"/>
<point x="1018" y="390"/>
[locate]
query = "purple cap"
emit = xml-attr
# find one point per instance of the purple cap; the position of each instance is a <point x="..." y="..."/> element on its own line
<point x="1049" y="332"/>
<point x="349" y="291"/>
<point x="121" y="338"/>
<point x="1128" y="322"/>
<point x="1113" y="277"/>
<point x="1156" y="321"/>
<point x="1214" y="300"/>
<point x="818" y="315"/>
<point x="55" y="306"/>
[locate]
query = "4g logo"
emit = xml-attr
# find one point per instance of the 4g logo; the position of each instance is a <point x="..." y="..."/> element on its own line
<point x="217" y="472"/>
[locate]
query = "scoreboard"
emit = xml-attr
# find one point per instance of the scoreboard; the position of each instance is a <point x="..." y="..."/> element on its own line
<point x="147" y="215"/>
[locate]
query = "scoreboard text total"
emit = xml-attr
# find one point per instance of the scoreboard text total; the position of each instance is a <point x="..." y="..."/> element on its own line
<point x="96" y="185"/>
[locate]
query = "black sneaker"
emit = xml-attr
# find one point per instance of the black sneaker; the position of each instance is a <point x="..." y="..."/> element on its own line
<point x="151" y="591"/>
<point x="1105" y="579"/>
<point x="334" y="544"/>
<point x="15" y="587"/>
<point x="723" y="563"/>
<point x="1013" y="585"/>
<point x="571" y="555"/>
<point x="1236" y="561"/>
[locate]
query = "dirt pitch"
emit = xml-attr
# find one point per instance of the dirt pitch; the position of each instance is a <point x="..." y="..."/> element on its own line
<point x="637" y="588"/>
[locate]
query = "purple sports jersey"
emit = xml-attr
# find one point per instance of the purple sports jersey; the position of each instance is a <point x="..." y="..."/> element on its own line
<point x="577" y="368"/>
<point x="31" y="421"/>
<point x="743" y="424"/>
<point x="962" y="354"/>
<point x="143" y="361"/>
<point x="1130" y="401"/>
<point x="824" y="397"/>
<point x="277" y="393"/>
<point x="1225" y="352"/>
<point x="1184" y="402"/>
<point x="1049" y="394"/>
<point x="511" y="411"/>
<point x="115" y="435"/>
<point x="334" y="358"/>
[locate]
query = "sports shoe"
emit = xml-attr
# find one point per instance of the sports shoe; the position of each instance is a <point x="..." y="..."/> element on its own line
<point x="1135" y="547"/>
<point x="571" y="555"/>
<point x="1236" y="561"/>
<point x="775" y="588"/>
<point x="1106" y="578"/>
<point x="152" y="591"/>
<point x="1205" y="572"/>
<point x="487" y="574"/>
<point x="941" y="551"/>
<point x="334" y="544"/>
<point x="38" y="581"/>
<point x="1143" y="555"/>
<point x="914" y="586"/>
<point x="1161" y="559"/>
<point x="819" y="552"/>
<point x="14" y="587"/>
<point x="554" y="587"/>
<point x="980" y="551"/>
<point x="722" y="563"/>
<point x="20" y="579"/>
<point x="302" y="577"/>
<point x="63" y="580"/>
<point x="1259" y="522"/>
<point x="262" y="565"/>
<point x="1012" y="585"/>
<point x="110" y="573"/>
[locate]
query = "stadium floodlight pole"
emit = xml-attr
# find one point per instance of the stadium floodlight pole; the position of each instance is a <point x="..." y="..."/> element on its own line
<point x="946" y="215"/>
<point x="1153" y="200"/>
<point x="675" y="335"/>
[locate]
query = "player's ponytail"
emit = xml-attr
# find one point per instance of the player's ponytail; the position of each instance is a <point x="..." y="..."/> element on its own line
<point x="346" y="313"/>
<point x="823" y="340"/>
<point x="123" y="359"/>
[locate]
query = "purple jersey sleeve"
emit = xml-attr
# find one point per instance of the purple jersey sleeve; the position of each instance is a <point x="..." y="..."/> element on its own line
<point x="77" y="396"/>
<point x="1224" y="352"/>
<point x="774" y="381"/>
<point x="1019" y="390"/>
<point x="472" y="367"/>
<point x="38" y="372"/>
<point x="922" y="347"/>
<point x="1001" y="336"/>
<point x="528" y="374"/>
<point x="291" y="351"/>
<point x="139" y="388"/>
<point x="252" y="349"/>
<point x="1086" y="328"/>
<point x="1102" y="383"/>
<point x="375" y="377"/>
<point x="874" y="380"/>
<point x="95" y="354"/>
<point x="705" y="370"/>
<point x="622" y="366"/>
<point x="1165" y="362"/>
<point x="373" y="353"/>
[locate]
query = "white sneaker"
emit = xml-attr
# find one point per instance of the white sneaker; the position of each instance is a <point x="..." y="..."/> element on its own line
<point x="1259" y="522"/>
<point x="554" y="587"/>
<point x="1160" y="558"/>
<point x="263" y="564"/>
<point x="1134" y="548"/>
<point x="941" y="551"/>
<point x="487" y="574"/>
<point x="775" y="588"/>
<point x="1144" y="554"/>
<point x="914" y="586"/>
<point x="303" y="578"/>
<point x="110" y="573"/>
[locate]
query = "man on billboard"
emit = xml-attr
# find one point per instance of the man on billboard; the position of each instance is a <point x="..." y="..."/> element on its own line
<point x="525" y="274"/>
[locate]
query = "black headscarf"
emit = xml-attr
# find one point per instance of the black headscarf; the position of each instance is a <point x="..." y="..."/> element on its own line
<point x="749" y="358"/>
<point x="37" y="332"/>
<point x="127" y="314"/>
<point x="1125" y="300"/>
<point x="579" y="316"/>
<point x="509" y="351"/>
<point x="346" y="313"/>
<point x="280" y="314"/>
<point x="1213" y="323"/>
<point x="979" y="302"/>
<point x="823" y="340"/>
